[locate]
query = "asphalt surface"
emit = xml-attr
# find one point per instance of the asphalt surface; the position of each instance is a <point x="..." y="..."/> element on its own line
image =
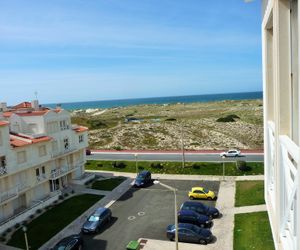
<point x="144" y="213"/>
<point x="192" y="157"/>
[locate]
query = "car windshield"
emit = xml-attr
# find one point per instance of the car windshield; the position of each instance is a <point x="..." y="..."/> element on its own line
<point x="93" y="218"/>
<point x="205" y="190"/>
<point x="140" y="177"/>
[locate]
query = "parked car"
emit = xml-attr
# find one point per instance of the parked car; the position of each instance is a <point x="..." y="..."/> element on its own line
<point x="143" y="178"/>
<point x="200" y="208"/>
<point x="97" y="220"/>
<point x="201" y="193"/>
<point x="190" y="233"/>
<point x="192" y="217"/>
<point x="231" y="153"/>
<point x="72" y="242"/>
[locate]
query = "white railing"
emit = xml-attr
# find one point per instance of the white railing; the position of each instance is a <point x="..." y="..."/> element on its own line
<point x="13" y="192"/>
<point x="289" y="162"/>
<point x="56" y="173"/>
<point x="41" y="178"/>
<point x="270" y="166"/>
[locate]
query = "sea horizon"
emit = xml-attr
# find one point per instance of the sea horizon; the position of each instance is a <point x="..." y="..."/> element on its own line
<point x="104" y="104"/>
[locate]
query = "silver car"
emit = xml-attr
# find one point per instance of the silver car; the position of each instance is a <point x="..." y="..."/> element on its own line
<point x="95" y="221"/>
<point x="231" y="153"/>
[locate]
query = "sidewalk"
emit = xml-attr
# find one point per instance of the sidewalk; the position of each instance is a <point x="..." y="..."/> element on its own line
<point x="181" y="176"/>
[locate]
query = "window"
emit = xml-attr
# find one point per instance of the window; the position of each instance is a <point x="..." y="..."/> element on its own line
<point x="63" y="125"/>
<point x="66" y="143"/>
<point x="81" y="138"/>
<point x="21" y="156"/>
<point x="42" y="150"/>
<point x="37" y="172"/>
<point x="2" y="161"/>
<point x="43" y="170"/>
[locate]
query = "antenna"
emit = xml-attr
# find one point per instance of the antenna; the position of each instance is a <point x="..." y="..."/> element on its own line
<point x="36" y="95"/>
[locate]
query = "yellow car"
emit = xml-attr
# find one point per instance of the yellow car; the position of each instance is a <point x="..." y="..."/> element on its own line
<point x="201" y="193"/>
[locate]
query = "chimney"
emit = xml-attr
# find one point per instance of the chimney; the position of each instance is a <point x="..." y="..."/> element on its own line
<point x="3" y="106"/>
<point x="35" y="105"/>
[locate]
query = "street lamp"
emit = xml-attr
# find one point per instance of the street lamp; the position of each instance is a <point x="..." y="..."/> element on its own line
<point x="175" y="208"/>
<point x="136" y="165"/>
<point x="25" y="235"/>
<point x="223" y="158"/>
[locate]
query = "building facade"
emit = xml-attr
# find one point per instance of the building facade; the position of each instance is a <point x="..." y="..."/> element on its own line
<point x="280" y="37"/>
<point x="41" y="153"/>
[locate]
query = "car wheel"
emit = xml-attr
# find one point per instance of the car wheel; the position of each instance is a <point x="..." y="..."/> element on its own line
<point x="203" y="242"/>
<point x="236" y="155"/>
<point x="191" y="197"/>
<point x="172" y="238"/>
<point x="209" y="198"/>
<point x="210" y="217"/>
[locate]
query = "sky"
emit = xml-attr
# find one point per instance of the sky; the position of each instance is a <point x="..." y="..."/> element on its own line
<point x="84" y="50"/>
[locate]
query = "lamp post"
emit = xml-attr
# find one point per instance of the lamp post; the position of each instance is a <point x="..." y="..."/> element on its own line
<point x="136" y="165"/>
<point x="223" y="158"/>
<point x="182" y="146"/>
<point x="25" y="235"/>
<point x="175" y="209"/>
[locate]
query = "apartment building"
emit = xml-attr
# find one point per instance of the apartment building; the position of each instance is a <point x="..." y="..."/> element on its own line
<point x="280" y="36"/>
<point x="41" y="153"/>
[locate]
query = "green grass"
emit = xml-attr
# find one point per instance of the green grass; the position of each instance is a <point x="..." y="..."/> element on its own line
<point x="44" y="227"/>
<point x="249" y="193"/>
<point x="199" y="168"/>
<point x="108" y="184"/>
<point x="252" y="231"/>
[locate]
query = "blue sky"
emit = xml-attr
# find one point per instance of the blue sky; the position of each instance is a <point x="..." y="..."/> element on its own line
<point x="79" y="50"/>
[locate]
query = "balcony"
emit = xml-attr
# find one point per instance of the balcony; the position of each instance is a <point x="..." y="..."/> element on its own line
<point x="289" y="185"/>
<point x="59" y="172"/>
<point x="41" y="178"/>
<point x="3" y="170"/>
<point x="63" y="152"/>
<point x="13" y="192"/>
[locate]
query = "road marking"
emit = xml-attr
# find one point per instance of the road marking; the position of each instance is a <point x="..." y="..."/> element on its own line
<point x="131" y="218"/>
<point x="141" y="213"/>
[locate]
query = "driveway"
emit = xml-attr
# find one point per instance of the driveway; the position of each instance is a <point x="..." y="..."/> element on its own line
<point x="144" y="213"/>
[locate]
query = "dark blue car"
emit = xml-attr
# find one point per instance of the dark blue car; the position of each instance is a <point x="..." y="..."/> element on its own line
<point x="200" y="208"/>
<point x="97" y="220"/>
<point x="192" y="217"/>
<point x="190" y="233"/>
<point x="72" y="242"/>
<point x="143" y="178"/>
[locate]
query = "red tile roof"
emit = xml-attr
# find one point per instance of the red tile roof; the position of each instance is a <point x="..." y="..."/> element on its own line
<point x="20" y="140"/>
<point x="80" y="129"/>
<point x="22" y="105"/>
<point x="3" y="123"/>
<point x="7" y="114"/>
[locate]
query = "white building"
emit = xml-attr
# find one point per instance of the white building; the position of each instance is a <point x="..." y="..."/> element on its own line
<point x="40" y="154"/>
<point x="280" y="34"/>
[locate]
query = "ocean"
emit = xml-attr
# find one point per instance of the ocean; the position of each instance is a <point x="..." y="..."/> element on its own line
<point x="158" y="100"/>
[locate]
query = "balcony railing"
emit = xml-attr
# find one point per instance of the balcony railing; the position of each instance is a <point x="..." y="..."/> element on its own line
<point x="3" y="170"/>
<point x="13" y="192"/>
<point x="63" y="152"/>
<point x="59" y="172"/>
<point x="41" y="178"/>
<point x="270" y="167"/>
<point x="289" y="155"/>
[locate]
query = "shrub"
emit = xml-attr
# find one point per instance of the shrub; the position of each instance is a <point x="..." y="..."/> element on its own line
<point x="24" y="223"/>
<point x="31" y="216"/>
<point x="73" y="191"/>
<point x="195" y="166"/>
<point x="66" y="194"/>
<point x="55" y="202"/>
<point x="17" y="225"/>
<point x="38" y="211"/>
<point x="140" y="168"/>
<point x="2" y="239"/>
<point x="117" y="147"/>
<point x="8" y="230"/>
<point x="99" y="165"/>
<point x="118" y="164"/>
<point x="170" y="119"/>
<point x="61" y="197"/>
<point x="88" y="163"/>
<point x="157" y="165"/>
<point x="228" y="118"/>
<point x="242" y="166"/>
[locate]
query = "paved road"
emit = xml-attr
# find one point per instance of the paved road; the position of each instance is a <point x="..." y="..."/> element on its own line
<point x="193" y="157"/>
<point x="143" y="213"/>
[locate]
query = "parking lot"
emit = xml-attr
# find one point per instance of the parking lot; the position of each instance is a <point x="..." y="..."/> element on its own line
<point x="144" y="213"/>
